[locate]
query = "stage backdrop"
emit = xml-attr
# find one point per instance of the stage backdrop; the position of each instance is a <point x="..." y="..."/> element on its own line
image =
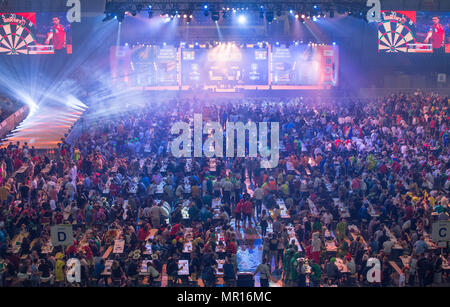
<point x="226" y="66"/>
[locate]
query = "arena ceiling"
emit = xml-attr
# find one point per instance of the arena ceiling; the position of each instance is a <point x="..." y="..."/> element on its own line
<point x="92" y="7"/>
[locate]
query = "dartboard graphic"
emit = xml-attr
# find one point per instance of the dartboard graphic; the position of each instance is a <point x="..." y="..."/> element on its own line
<point x="395" y="32"/>
<point x="15" y="35"/>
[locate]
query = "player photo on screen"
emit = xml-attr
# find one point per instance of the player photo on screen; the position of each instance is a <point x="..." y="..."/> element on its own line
<point x="434" y="29"/>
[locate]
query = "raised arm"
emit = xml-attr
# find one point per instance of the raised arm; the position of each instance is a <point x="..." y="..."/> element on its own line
<point x="49" y="38"/>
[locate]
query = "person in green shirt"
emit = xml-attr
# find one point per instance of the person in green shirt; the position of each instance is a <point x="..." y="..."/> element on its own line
<point x="342" y="250"/>
<point x="287" y="264"/>
<point x="316" y="274"/>
<point x="341" y="229"/>
<point x="317" y="226"/>
<point x="294" y="264"/>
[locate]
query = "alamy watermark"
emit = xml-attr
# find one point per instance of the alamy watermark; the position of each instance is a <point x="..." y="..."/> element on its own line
<point x="74" y="11"/>
<point x="213" y="145"/>
<point x="374" y="273"/>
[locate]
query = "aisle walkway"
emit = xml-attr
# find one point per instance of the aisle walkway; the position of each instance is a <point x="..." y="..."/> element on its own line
<point x="45" y="128"/>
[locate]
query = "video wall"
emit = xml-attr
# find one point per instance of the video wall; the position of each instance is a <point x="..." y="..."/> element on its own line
<point x="414" y="32"/>
<point x="154" y="65"/>
<point x="307" y="66"/>
<point x="35" y="33"/>
<point x="226" y="66"/>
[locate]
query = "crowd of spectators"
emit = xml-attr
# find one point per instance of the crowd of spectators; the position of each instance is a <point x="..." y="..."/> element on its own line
<point x="357" y="181"/>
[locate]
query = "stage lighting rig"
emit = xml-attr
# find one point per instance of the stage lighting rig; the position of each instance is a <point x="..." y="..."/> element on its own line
<point x="120" y="16"/>
<point x="188" y="17"/>
<point x="271" y="10"/>
<point x="109" y="16"/>
<point x="269" y="16"/>
<point x="215" y="16"/>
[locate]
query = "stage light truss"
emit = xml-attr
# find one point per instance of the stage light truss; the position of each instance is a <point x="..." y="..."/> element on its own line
<point x="276" y="6"/>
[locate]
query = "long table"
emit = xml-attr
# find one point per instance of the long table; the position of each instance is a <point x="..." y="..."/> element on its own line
<point x="392" y="238"/>
<point x="356" y="233"/>
<point x="313" y="208"/>
<point x="343" y="211"/>
<point x="17" y="242"/>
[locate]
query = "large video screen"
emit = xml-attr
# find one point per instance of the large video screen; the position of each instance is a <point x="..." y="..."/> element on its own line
<point x="301" y="66"/>
<point x="146" y="65"/>
<point x="226" y="66"/>
<point x="35" y="33"/>
<point x="166" y="65"/>
<point x="414" y="32"/>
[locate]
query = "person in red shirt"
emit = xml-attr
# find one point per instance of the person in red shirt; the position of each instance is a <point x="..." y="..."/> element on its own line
<point x="144" y="232"/>
<point x="231" y="248"/>
<point x="17" y="163"/>
<point x="433" y="126"/>
<point x="383" y="168"/>
<point x="247" y="210"/>
<point x="437" y="36"/>
<point x="409" y="212"/>
<point x="57" y="35"/>
<point x="238" y="212"/>
<point x="176" y="229"/>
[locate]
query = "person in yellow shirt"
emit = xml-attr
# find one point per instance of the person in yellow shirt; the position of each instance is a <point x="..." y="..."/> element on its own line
<point x="76" y="154"/>
<point x="59" y="269"/>
<point x="285" y="189"/>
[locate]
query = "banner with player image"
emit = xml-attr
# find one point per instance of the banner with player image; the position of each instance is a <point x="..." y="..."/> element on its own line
<point x="35" y="33"/>
<point x="414" y="32"/>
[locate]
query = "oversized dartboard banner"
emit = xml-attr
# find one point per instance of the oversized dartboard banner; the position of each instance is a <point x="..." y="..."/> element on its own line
<point x="17" y="33"/>
<point x="396" y="31"/>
